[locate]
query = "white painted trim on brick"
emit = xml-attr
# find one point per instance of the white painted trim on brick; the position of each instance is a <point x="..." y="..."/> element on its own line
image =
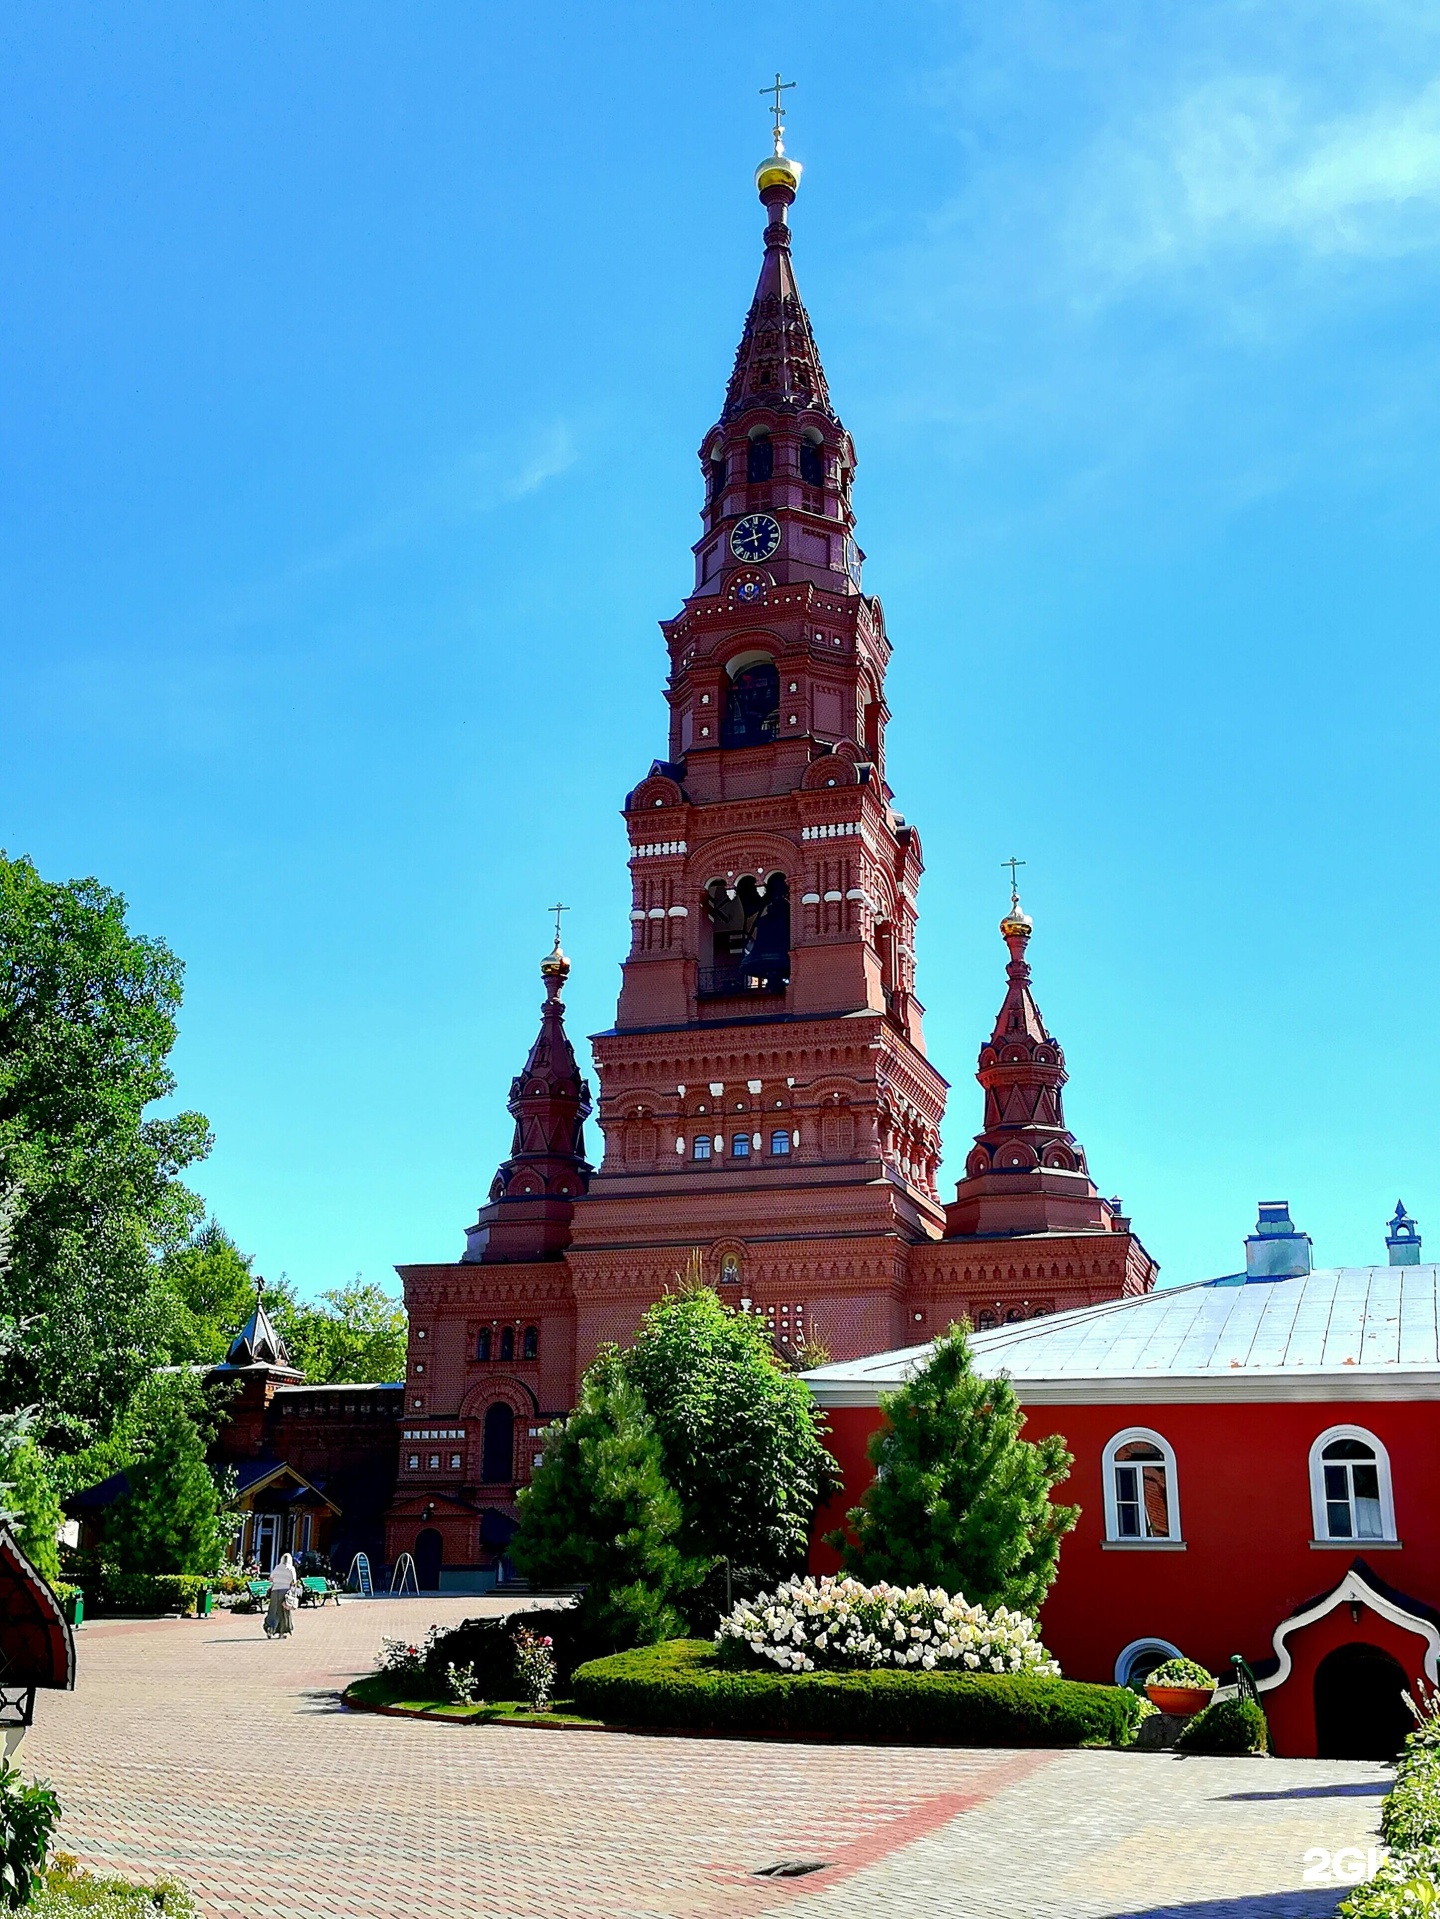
<point x="1352" y="1586"/>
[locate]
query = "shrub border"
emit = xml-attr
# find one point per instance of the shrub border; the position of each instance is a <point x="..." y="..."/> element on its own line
<point x="592" y="1682"/>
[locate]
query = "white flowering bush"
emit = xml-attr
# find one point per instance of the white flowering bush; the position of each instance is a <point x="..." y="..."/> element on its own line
<point x="812" y="1624"/>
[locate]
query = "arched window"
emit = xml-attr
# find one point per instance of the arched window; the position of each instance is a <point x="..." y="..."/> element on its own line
<point x="1142" y="1498"/>
<point x="1140" y="1658"/>
<point x="780" y="1142"/>
<point x="482" y="1344"/>
<point x="748" y="933"/>
<point x="1350" y="1491"/>
<point x="717" y="477"/>
<point x="497" y="1455"/>
<point x="752" y="705"/>
<point x="759" y="459"/>
<point x="701" y="1148"/>
<point x="531" y="1347"/>
<point x="812" y="463"/>
<point x="507" y="1342"/>
<point x="985" y="1321"/>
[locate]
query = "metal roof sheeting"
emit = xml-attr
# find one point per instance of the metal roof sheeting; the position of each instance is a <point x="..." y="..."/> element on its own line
<point x="1366" y="1331"/>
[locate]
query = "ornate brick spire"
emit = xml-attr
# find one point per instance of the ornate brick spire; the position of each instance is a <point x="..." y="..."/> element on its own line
<point x="778" y="363"/>
<point x="1026" y="1172"/>
<point x="533" y="1194"/>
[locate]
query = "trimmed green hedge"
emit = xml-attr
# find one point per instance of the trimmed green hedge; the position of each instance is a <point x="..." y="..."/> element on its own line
<point x="1410" y="1817"/>
<point x="1409" y="1880"/>
<point x="110" y="1591"/>
<point x="1229" y="1725"/>
<point x="682" y="1685"/>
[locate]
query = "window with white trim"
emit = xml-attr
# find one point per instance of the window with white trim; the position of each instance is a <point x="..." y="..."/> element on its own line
<point x="1142" y="1501"/>
<point x="1140" y="1658"/>
<point x="1350" y="1492"/>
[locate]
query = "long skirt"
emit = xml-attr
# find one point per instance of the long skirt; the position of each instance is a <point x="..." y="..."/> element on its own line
<point x="280" y="1619"/>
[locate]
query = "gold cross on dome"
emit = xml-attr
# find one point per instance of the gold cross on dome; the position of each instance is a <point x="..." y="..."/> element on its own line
<point x="1013" y="863"/>
<point x="557" y="910"/>
<point x="777" y="87"/>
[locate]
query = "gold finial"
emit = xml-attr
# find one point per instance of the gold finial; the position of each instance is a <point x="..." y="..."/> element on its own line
<point x="778" y="170"/>
<point x="555" y="960"/>
<point x="1016" y="923"/>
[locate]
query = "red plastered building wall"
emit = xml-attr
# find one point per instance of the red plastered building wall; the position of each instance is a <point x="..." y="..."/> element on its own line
<point x="1248" y="1563"/>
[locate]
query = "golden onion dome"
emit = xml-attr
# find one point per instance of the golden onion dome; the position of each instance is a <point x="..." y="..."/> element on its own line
<point x="1017" y="923"/>
<point x="555" y="962"/>
<point x="778" y="170"/>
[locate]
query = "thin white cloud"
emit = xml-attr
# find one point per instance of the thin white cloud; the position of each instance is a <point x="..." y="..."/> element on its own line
<point x="1241" y="163"/>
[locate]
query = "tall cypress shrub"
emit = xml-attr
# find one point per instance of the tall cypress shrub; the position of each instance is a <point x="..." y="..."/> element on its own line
<point x="959" y="1499"/>
<point x="600" y="1512"/>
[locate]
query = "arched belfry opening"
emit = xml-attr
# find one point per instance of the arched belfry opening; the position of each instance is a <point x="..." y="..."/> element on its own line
<point x="752" y="702"/>
<point x="748" y="932"/>
<point x="759" y="458"/>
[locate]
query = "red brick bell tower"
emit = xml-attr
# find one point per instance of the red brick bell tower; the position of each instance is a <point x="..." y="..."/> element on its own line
<point x="765" y="1100"/>
<point x="764" y="1093"/>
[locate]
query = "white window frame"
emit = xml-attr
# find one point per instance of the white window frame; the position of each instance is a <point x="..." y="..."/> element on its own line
<point x="1149" y="1644"/>
<point x="1113" y="1535"/>
<point x="1319" y="1519"/>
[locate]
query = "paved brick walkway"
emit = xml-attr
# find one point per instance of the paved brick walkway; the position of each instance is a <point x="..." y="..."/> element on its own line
<point x="200" y="1749"/>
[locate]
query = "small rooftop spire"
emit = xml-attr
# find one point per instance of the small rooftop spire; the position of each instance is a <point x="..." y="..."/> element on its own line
<point x="1016" y="924"/>
<point x="1402" y="1242"/>
<point x="777" y="366"/>
<point x="258" y="1343"/>
<point x="555" y="967"/>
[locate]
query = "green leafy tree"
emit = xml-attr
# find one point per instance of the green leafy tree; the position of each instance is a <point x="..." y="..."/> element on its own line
<point x="210" y="1295"/>
<point x="743" y="1441"/>
<point x="353" y="1335"/>
<point x="959" y="1499"/>
<point x="174" y="1520"/>
<point x="599" y="1511"/>
<point x="87" y="1021"/>
<point x="29" y="1502"/>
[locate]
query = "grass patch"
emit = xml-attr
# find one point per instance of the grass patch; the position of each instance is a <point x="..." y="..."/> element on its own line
<point x="398" y="1693"/>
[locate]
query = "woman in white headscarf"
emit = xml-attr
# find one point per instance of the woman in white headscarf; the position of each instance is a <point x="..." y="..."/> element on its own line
<point x="284" y="1592"/>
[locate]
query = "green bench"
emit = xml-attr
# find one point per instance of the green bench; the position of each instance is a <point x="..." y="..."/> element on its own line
<point x="317" y="1591"/>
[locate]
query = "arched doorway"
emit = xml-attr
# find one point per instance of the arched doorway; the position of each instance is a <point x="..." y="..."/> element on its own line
<point x="429" y="1553"/>
<point x="1359" y="1713"/>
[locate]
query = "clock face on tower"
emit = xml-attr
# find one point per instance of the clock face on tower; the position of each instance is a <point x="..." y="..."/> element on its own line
<point x="755" y="537"/>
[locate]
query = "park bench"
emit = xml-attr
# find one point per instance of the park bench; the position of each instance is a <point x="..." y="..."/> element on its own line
<point x="317" y="1591"/>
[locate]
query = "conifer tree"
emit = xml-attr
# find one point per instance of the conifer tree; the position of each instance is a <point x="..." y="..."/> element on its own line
<point x="174" y="1519"/>
<point x="959" y="1499"/>
<point x="599" y="1511"/>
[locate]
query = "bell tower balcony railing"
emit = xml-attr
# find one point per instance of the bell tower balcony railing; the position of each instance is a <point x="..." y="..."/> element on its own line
<point x="750" y="732"/>
<point x="731" y="982"/>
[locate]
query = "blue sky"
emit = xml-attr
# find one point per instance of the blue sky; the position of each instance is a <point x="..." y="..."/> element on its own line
<point x="354" y="360"/>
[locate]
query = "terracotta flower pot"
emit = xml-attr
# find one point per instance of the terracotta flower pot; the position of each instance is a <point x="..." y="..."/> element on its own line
<point x="1180" y="1700"/>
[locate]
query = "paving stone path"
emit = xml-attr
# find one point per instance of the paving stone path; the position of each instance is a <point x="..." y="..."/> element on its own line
<point x="200" y="1749"/>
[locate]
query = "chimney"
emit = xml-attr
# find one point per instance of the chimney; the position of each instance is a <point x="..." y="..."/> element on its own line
<point x="1275" y="1250"/>
<point x="1402" y="1242"/>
